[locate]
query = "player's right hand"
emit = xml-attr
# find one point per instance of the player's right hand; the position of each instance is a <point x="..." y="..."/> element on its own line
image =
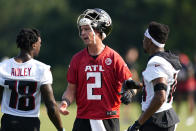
<point x="63" y="108"/>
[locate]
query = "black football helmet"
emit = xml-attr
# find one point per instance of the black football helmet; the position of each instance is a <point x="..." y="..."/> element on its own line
<point x="96" y="18"/>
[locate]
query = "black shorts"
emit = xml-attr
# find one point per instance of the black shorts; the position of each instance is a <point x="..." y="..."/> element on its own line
<point x="162" y="121"/>
<point x="17" y="123"/>
<point x="86" y="125"/>
<point x="153" y="127"/>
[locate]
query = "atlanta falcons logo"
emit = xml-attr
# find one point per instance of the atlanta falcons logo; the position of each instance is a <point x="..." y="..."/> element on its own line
<point x="108" y="61"/>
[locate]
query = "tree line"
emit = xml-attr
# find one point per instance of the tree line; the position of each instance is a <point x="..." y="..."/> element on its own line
<point x="56" y="19"/>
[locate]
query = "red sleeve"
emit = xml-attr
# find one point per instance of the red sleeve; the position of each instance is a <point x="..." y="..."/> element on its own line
<point x="72" y="72"/>
<point x="122" y="71"/>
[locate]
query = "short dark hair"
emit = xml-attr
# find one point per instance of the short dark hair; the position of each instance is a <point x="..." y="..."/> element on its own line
<point x="159" y="31"/>
<point x="26" y="37"/>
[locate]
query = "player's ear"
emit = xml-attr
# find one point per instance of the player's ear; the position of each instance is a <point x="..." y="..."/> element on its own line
<point x="34" y="45"/>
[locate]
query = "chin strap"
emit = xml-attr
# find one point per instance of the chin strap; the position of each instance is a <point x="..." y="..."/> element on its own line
<point x="93" y="33"/>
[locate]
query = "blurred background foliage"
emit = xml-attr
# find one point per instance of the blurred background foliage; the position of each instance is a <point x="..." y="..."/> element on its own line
<point x="56" y="19"/>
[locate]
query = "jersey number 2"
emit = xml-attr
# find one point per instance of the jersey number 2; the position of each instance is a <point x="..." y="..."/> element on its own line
<point x="22" y="94"/>
<point x="96" y="84"/>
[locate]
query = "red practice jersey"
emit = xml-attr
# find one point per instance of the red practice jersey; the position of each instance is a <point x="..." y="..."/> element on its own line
<point x="99" y="81"/>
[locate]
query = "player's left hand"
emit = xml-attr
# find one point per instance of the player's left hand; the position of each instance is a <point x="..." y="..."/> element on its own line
<point x="134" y="127"/>
<point x="126" y="97"/>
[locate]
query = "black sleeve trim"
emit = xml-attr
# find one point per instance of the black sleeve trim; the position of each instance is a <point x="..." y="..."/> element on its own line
<point x="160" y="86"/>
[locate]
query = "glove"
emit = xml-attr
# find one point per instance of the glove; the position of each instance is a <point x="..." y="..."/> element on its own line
<point x="134" y="127"/>
<point x="126" y="97"/>
<point x="131" y="84"/>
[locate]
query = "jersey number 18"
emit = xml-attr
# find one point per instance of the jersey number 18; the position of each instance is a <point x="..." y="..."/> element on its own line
<point x="22" y="94"/>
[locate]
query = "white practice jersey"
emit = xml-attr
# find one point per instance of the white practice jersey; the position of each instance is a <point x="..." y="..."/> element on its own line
<point x="21" y="82"/>
<point x="158" y="67"/>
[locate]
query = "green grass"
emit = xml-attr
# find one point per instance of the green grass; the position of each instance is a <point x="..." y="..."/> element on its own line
<point x="131" y="112"/>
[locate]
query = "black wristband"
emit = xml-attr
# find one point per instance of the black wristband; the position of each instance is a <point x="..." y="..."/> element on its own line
<point x="67" y="100"/>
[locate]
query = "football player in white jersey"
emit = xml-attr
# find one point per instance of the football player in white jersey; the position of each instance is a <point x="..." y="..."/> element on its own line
<point x="159" y="83"/>
<point x="23" y="81"/>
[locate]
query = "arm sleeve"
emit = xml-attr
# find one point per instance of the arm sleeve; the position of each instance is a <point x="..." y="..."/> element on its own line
<point x="122" y="71"/>
<point x="152" y="72"/>
<point x="47" y="76"/>
<point x="72" y="73"/>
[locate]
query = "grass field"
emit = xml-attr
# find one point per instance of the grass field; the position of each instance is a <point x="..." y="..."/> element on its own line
<point x="133" y="114"/>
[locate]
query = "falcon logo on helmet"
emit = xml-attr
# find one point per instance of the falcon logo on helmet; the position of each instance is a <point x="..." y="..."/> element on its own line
<point x="97" y="19"/>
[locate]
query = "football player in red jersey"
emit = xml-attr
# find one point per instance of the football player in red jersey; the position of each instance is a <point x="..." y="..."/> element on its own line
<point x="95" y="76"/>
<point x="23" y="81"/>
